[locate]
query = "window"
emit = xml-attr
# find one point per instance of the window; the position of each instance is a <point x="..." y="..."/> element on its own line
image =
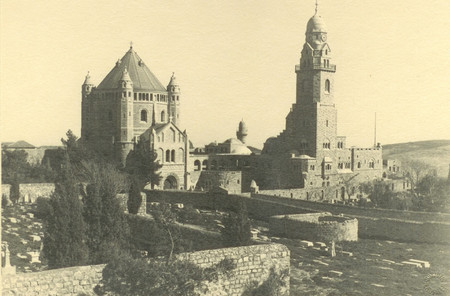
<point x="197" y="165"/>
<point x="172" y="156"/>
<point x="181" y="154"/>
<point x="205" y="165"/>
<point x="167" y="155"/>
<point x="371" y="164"/>
<point x="359" y="165"/>
<point x="144" y="115"/>
<point x="163" y="116"/>
<point x="327" y="86"/>
<point x="328" y="167"/>
<point x="326" y="123"/>
<point x="162" y="137"/>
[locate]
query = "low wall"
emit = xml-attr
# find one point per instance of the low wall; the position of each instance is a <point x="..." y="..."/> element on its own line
<point x="258" y="209"/>
<point x="377" y="223"/>
<point x="64" y="281"/>
<point x="315" y="227"/>
<point x="404" y="230"/>
<point x="6" y="189"/>
<point x="358" y="211"/>
<point x="30" y="192"/>
<point x="253" y="263"/>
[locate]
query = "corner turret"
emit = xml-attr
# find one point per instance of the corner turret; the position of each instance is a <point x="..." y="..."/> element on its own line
<point x="174" y="100"/>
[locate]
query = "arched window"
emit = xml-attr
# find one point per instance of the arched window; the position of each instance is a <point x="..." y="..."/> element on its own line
<point x="197" y="165"/>
<point x="205" y="165"/>
<point x="162" y="137"/>
<point x="181" y="154"/>
<point x="371" y="164"/>
<point x="359" y="165"/>
<point x="167" y="155"/>
<point x="161" y="155"/>
<point x="327" y="86"/>
<point x="163" y="116"/>
<point x="144" y="115"/>
<point x="172" y="156"/>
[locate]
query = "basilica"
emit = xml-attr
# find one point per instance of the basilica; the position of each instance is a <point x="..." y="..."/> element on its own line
<point x="132" y="105"/>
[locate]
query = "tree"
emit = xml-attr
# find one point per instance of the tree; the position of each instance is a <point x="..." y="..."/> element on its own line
<point x="143" y="166"/>
<point x="107" y="231"/>
<point x="236" y="231"/>
<point x="165" y="218"/>
<point x="14" y="166"/>
<point x="134" y="197"/>
<point x="433" y="193"/>
<point x="415" y="170"/>
<point x="379" y="193"/>
<point x="64" y="239"/>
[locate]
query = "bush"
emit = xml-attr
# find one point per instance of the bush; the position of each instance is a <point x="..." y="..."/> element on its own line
<point x="43" y="207"/>
<point x="127" y="276"/>
<point x="5" y="201"/>
<point x="237" y="227"/>
<point x="14" y="191"/>
<point x="272" y="286"/>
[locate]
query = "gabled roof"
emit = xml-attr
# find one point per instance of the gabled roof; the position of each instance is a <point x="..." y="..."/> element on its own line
<point x="140" y="74"/>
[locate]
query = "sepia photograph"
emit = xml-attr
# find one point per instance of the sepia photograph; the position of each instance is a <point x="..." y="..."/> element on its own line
<point x="225" y="148"/>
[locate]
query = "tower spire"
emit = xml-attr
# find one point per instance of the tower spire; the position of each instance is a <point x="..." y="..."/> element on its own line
<point x="317" y="4"/>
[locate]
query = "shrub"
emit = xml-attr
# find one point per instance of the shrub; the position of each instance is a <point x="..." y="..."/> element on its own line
<point x="237" y="227"/>
<point x="43" y="207"/>
<point x="272" y="286"/>
<point x="127" y="276"/>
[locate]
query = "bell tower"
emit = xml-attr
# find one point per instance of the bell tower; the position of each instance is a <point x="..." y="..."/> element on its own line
<point x="312" y="120"/>
<point x="174" y="100"/>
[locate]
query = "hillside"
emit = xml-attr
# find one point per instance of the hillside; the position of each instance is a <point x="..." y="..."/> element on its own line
<point x="435" y="153"/>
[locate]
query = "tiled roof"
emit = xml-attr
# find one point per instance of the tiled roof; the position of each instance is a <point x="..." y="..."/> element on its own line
<point x="140" y="74"/>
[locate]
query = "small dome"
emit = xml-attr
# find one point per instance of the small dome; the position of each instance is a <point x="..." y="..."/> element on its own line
<point x="241" y="150"/>
<point x="253" y="184"/>
<point x="125" y="75"/>
<point x="316" y="24"/>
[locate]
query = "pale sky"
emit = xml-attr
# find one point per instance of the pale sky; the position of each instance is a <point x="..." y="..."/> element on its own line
<point x="233" y="59"/>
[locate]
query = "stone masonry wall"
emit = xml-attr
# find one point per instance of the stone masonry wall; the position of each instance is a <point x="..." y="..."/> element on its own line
<point x="316" y="227"/>
<point x="253" y="263"/>
<point x="64" y="281"/>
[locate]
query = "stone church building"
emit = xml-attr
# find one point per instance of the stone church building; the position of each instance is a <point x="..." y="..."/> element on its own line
<point x="131" y="105"/>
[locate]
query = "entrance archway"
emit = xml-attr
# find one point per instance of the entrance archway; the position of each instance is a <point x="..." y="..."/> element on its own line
<point x="170" y="183"/>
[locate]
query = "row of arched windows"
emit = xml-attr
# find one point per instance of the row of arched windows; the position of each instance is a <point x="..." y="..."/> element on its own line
<point x="327" y="87"/>
<point x="149" y="97"/>
<point x="171" y="155"/>
<point x="144" y="116"/>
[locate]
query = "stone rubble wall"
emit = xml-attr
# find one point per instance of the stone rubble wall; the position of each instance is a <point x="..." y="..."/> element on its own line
<point x="253" y="263"/>
<point x="30" y="192"/>
<point x="315" y="227"/>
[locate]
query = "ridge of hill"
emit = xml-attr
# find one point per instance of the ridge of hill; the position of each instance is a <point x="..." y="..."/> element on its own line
<point x="436" y="153"/>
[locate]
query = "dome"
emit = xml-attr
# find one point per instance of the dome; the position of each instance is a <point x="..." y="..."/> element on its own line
<point x="316" y="24"/>
<point x="241" y="150"/>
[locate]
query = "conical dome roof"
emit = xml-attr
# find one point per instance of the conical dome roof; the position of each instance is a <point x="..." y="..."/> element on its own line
<point x="316" y="24"/>
<point x="139" y="73"/>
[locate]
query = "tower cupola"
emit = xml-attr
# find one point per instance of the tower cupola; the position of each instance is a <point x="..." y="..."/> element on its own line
<point x="242" y="132"/>
<point x="87" y="85"/>
<point x="125" y="80"/>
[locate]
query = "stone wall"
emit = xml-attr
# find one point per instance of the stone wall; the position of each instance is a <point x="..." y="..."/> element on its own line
<point x="337" y="209"/>
<point x="257" y="208"/>
<point x="384" y="224"/>
<point x="315" y="227"/>
<point x="253" y="263"/>
<point x="5" y="190"/>
<point x="65" y="281"/>
<point x="404" y="230"/>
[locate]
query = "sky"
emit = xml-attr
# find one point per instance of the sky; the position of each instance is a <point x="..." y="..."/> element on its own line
<point x="233" y="60"/>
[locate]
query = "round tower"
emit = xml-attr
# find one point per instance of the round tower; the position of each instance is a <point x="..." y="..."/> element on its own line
<point x="242" y="132"/>
<point x="174" y="100"/>
<point x="125" y="116"/>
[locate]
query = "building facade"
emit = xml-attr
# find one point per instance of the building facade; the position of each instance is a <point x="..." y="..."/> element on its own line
<point x="131" y="105"/>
